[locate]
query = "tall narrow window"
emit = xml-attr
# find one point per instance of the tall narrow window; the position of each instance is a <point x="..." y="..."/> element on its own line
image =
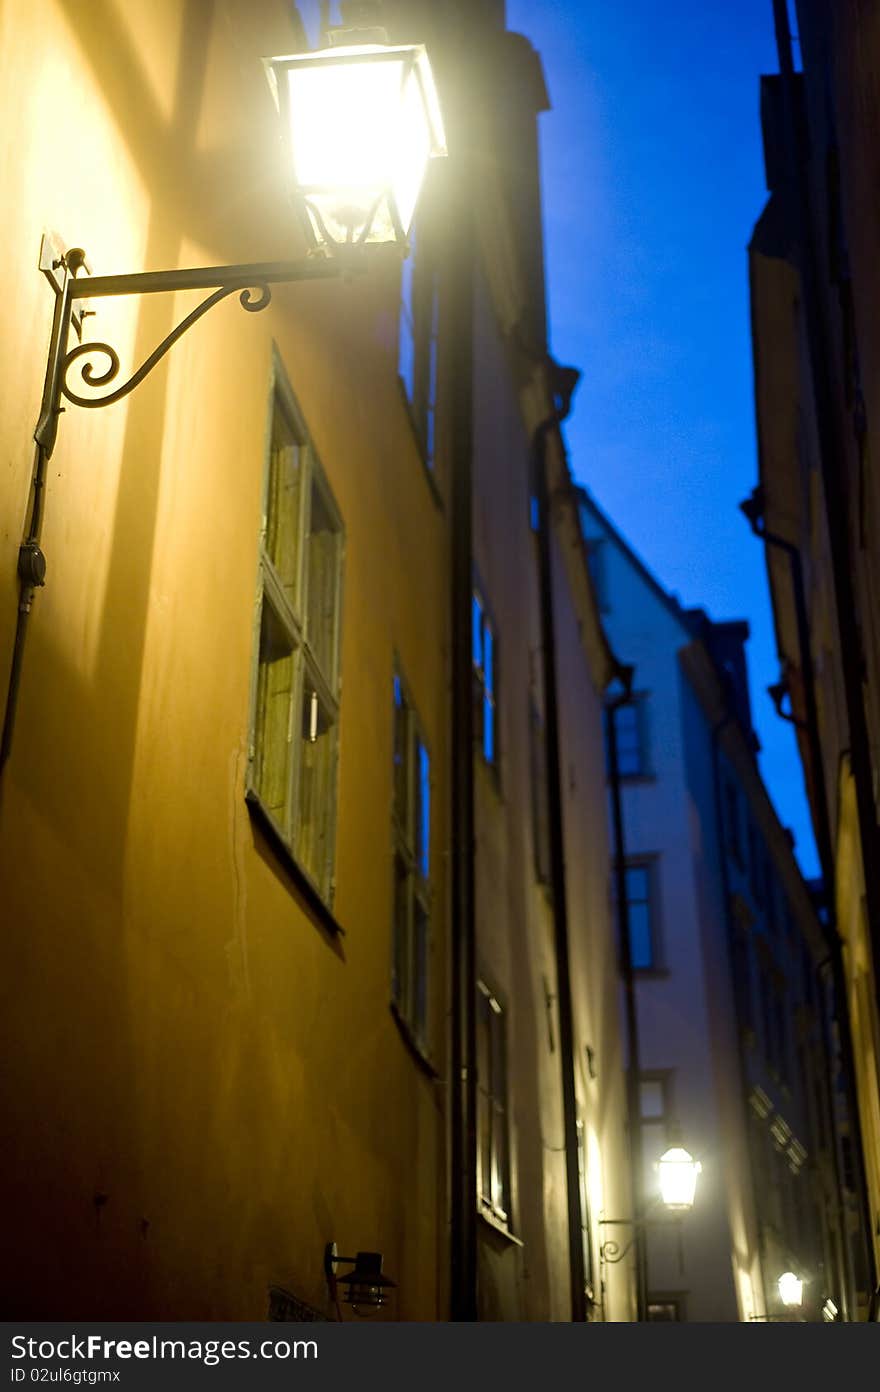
<point x="295" y="713"/>
<point x="586" y="1215"/>
<point x="412" y="869"/>
<point x="642" y="916"/>
<point x="417" y="342"/>
<point x="485" y="661"/>
<point x="493" y="1126"/>
<point x="631" y="730"/>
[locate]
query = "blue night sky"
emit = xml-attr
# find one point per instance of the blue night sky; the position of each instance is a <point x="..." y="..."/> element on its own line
<point x="653" y="179"/>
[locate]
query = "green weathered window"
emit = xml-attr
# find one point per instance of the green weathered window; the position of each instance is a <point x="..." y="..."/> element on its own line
<point x="295" y="719"/>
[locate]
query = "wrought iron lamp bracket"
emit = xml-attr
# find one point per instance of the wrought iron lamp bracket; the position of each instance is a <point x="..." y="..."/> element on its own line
<point x="73" y="287"/>
<point x="611" y="1251"/>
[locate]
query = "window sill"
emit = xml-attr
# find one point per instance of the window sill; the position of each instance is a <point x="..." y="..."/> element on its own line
<point x="412" y="1044"/>
<point x="282" y="852"/>
<point x="429" y="470"/>
<point x="495" y="1224"/>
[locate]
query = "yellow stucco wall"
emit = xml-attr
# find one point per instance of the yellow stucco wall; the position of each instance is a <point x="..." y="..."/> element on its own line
<point x="181" y="1037"/>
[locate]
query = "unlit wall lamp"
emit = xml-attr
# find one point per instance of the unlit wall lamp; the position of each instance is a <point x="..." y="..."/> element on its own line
<point x="359" y="122"/>
<point x="366" y="1286"/>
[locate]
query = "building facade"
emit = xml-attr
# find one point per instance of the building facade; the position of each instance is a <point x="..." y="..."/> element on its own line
<point x="226" y="812"/>
<point x="813" y="279"/>
<point x="725" y="946"/>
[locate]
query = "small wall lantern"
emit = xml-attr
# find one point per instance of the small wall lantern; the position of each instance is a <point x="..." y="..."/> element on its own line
<point x="360" y="124"/>
<point x="791" y="1289"/>
<point x="366" y="1286"/>
<point x="677" y="1171"/>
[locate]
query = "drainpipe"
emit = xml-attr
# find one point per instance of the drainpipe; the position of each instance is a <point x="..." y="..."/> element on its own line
<point x="844" y="1252"/>
<point x="625" y="675"/>
<point x="463" y="967"/>
<point x="563" y="383"/>
<point x="753" y="509"/>
<point x="832" y="453"/>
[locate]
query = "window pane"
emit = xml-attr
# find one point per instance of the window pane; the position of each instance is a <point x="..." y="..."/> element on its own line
<point x="640" y="945"/>
<point x="652" y="1100"/>
<point x="488" y="659"/>
<point x="272" y="731"/>
<point x="323" y="584"/>
<point x="423" y="813"/>
<point x="500" y="1163"/>
<point x="637" y="884"/>
<point x="477" y="632"/>
<point x="316" y="788"/>
<point x="488" y="730"/>
<point x="484" y="1115"/>
<point x="283" y="503"/>
<point x="629" y="750"/>
<point x="406" y="359"/>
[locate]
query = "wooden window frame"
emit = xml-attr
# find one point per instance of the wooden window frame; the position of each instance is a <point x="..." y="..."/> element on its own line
<point x="314" y="661"/>
<point x="495" y="1193"/>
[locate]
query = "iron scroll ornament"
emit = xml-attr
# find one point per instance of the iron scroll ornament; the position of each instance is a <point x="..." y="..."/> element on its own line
<point x="249" y="300"/>
<point x="73" y="287"/>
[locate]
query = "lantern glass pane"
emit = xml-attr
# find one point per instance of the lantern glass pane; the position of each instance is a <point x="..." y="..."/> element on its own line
<point x="413" y="149"/>
<point x="363" y="123"/>
<point x="678" y="1178"/>
<point x="791" y="1289"/>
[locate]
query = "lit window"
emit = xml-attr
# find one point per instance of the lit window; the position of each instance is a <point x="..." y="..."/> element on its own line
<point x="641" y="915"/>
<point x="412" y="868"/>
<point x="485" y="664"/>
<point x="295" y="717"/>
<point x="493" y="1127"/>
<point x="417" y="342"/>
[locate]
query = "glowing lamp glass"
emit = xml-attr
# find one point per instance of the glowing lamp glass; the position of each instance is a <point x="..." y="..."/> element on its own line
<point x="361" y="124"/>
<point x="677" y="1170"/>
<point x="791" y="1289"/>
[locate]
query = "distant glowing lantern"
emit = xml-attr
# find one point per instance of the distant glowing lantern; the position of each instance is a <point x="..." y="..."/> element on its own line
<point x="791" y="1289"/>
<point x="360" y="125"/>
<point x="678" y="1170"/>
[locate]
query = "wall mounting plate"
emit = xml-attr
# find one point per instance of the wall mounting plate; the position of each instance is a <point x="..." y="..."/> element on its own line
<point x="52" y="252"/>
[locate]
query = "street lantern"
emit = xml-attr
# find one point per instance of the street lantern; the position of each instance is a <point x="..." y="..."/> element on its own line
<point x="677" y="1170"/>
<point x="791" y="1289"/>
<point x="360" y="124"/>
<point x="366" y="1285"/>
